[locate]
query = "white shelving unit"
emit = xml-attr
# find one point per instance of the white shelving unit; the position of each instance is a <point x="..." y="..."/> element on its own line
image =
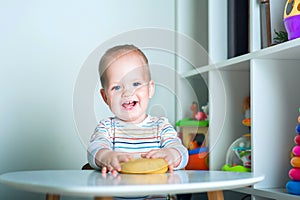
<point x="271" y="77"/>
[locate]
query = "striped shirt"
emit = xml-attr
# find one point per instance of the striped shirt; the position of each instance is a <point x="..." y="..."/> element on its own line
<point x="153" y="133"/>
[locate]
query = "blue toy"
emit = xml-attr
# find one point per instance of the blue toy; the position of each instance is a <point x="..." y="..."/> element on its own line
<point x="293" y="187"/>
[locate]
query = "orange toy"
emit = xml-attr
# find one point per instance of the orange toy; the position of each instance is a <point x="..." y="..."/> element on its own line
<point x="246" y="109"/>
<point x="295" y="162"/>
<point x="198" y="161"/>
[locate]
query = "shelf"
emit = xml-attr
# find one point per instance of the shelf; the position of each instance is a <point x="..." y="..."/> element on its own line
<point x="236" y="63"/>
<point x="272" y="193"/>
<point x="289" y="50"/>
<point x="271" y="77"/>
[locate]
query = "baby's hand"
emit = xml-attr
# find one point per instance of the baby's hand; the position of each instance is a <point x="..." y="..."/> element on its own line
<point x="110" y="160"/>
<point x="171" y="155"/>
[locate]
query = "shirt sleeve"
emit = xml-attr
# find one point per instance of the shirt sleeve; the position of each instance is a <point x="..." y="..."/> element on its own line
<point x="100" y="139"/>
<point x="169" y="139"/>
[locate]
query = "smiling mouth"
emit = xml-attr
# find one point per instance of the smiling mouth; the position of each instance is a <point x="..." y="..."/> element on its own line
<point x="129" y="105"/>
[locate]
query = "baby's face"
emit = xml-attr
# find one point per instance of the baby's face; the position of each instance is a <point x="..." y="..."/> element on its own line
<point x="128" y="88"/>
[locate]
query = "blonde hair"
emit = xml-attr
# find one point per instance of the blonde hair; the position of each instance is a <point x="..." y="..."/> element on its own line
<point x="113" y="54"/>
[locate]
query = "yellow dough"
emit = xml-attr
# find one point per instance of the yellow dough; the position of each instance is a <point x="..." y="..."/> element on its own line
<point x="145" y="179"/>
<point x="145" y="166"/>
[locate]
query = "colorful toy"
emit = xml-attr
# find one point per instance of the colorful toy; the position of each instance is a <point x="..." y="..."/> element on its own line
<point x="238" y="157"/>
<point x="292" y="18"/>
<point x="293" y="186"/>
<point x="198" y="161"/>
<point x="197" y="141"/>
<point x="198" y="154"/>
<point x="193" y="133"/>
<point x="196" y="114"/>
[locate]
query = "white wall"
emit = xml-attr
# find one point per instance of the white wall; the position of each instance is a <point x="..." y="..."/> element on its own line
<point x="192" y="23"/>
<point x="277" y="6"/>
<point x="43" y="47"/>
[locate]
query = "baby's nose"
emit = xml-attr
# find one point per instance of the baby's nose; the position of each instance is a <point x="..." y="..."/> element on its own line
<point x="128" y="92"/>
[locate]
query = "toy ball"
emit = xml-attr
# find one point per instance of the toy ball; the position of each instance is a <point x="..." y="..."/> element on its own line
<point x="294" y="174"/>
<point x="293" y="187"/>
<point x="238" y="157"/>
<point x="295" y="162"/>
<point x="296" y="150"/>
<point x="292" y="18"/>
<point x="297" y="139"/>
<point x="298" y="129"/>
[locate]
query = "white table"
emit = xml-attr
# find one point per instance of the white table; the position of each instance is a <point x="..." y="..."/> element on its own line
<point x="90" y="183"/>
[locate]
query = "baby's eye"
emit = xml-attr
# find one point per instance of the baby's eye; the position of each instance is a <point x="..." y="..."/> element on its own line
<point x="117" y="87"/>
<point x="135" y="84"/>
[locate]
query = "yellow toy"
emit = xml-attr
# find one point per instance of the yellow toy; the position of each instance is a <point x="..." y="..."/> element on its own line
<point x="292" y="18"/>
<point x="145" y="166"/>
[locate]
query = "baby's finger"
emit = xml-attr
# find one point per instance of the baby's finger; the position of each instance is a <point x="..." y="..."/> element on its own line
<point x="152" y="154"/>
<point x="124" y="158"/>
<point x="115" y="165"/>
<point x="104" y="170"/>
<point x="114" y="173"/>
<point x="143" y="155"/>
<point x="171" y="170"/>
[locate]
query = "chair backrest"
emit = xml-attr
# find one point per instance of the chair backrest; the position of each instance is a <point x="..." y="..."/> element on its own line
<point x="87" y="166"/>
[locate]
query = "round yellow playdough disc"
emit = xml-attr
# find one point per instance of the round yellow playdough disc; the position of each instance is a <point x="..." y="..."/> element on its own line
<point x="146" y="179"/>
<point x="145" y="166"/>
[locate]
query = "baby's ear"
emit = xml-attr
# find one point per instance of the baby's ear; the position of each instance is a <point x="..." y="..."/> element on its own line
<point x="103" y="95"/>
<point x="151" y="88"/>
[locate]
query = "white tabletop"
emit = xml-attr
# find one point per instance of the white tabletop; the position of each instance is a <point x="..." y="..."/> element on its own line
<point x="89" y="183"/>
